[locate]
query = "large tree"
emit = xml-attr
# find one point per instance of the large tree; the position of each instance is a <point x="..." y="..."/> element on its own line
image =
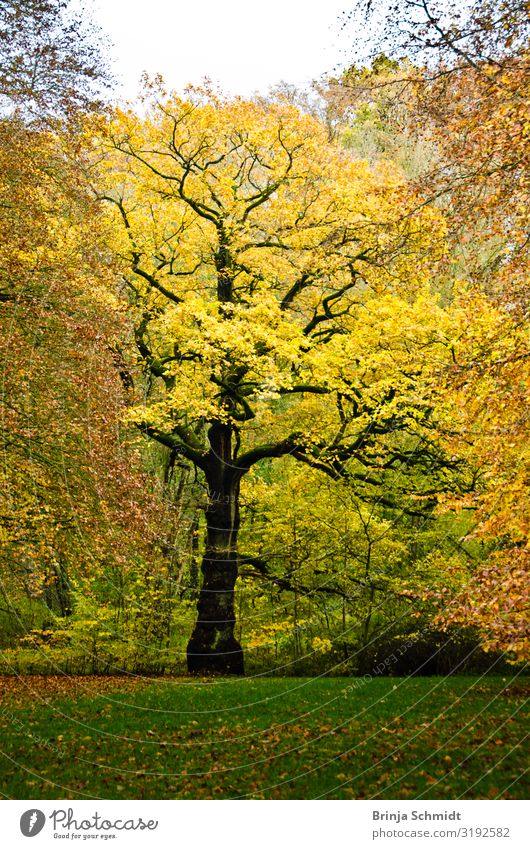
<point x="275" y="287"/>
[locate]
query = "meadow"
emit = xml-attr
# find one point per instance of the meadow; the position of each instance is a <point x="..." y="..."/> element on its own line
<point x="283" y="738"/>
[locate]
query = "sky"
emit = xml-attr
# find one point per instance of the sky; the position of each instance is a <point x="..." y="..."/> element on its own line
<point x="242" y="46"/>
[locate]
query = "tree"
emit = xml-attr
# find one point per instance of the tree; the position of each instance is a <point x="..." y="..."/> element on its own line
<point x="337" y="564"/>
<point x="267" y="276"/>
<point x="488" y="406"/>
<point x="50" y="58"/>
<point x="80" y="501"/>
<point x="484" y="32"/>
<point x="474" y="96"/>
<point x="471" y="92"/>
<point x="73" y="497"/>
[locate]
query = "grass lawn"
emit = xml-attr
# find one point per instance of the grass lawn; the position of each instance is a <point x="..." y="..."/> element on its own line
<point x="291" y="738"/>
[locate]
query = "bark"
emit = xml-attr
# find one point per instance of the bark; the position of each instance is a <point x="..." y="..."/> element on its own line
<point x="213" y="647"/>
<point x="194" y="561"/>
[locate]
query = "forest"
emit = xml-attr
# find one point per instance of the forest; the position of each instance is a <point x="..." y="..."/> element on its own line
<point x="265" y="363"/>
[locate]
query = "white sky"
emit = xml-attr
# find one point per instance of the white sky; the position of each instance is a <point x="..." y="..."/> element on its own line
<point x="242" y="46"/>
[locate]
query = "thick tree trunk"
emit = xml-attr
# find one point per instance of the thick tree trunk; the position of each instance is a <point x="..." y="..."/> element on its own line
<point x="213" y="646"/>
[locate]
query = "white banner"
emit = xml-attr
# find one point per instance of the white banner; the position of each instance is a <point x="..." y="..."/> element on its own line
<point x="255" y="825"/>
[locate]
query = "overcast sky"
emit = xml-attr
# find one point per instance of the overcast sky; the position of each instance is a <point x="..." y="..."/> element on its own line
<point x="241" y="45"/>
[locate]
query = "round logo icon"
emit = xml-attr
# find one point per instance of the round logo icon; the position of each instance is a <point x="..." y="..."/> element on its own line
<point x="31" y="822"/>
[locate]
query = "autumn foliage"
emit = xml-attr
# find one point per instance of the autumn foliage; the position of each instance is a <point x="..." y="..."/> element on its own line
<point x="265" y="372"/>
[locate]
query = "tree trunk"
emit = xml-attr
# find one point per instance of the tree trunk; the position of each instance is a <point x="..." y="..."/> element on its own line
<point x="213" y="646"/>
<point x="194" y="561"/>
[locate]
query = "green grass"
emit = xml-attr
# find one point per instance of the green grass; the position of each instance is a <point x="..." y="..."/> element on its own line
<point x="292" y="738"/>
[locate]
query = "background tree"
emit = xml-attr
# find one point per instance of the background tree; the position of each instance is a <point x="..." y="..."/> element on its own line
<point x="51" y="61"/>
<point x="467" y="69"/>
<point x="474" y="96"/>
<point x="73" y="496"/>
<point x="488" y="404"/>
<point x="346" y="574"/>
<point x="77" y="503"/>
